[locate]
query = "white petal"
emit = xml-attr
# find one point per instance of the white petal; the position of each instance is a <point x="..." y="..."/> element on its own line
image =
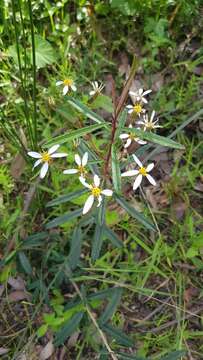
<point x="137" y="182"/>
<point x="44" y="170"/>
<point x="73" y="87"/>
<point x="65" y="89"/>
<point x="99" y="200"/>
<point x="53" y="149"/>
<point x="127" y="144"/>
<point x="70" y="171"/>
<point x="140" y="122"/>
<point x="34" y="154"/>
<point x="132" y="93"/>
<point x="141" y="142"/>
<point x="85" y="159"/>
<point x="96" y="84"/>
<point x="92" y="92"/>
<point x="129" y="107"/>
<point x="146" y="92"/>
<point x="152" y="115"/>
<point x="59" y="83"/>
<point x="151" y="180"/>
<point x="124" y="136"/>
<point x="150" y="167"/>
<point x="59" y="155"/>
<point x="140" y="91"/>
<point x="88" y="204"/>
<point x="107" y="192"/>
<point x="144" y="100"/>
<point x="130" y="111"/>
<point x="130" y="126"/>
<point x="130" y="173"/>
<point x="37" y="163"/>
<point x="138" y="162"/>
<point x="78" y="160"/>
<point x="82" y="180"/>
<point x="96" y="180"/>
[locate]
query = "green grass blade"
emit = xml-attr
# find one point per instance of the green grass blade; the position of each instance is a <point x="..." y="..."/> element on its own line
<point x="134" y="213"/>
<point x="111" y="307"/>
<point x="110" y="234"/>
<point x="99" y="233"/>
<point x="64" y="218"/>
<point x="75" y="134"/>
<point x="175" y="355"/>
<point x="157" y="139"/>
<point x="75" y="249"/>
<point x="65" y="198"/>
<point x="68" y="329"/>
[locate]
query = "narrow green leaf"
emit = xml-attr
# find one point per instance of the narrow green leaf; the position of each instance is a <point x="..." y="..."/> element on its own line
<point x="99" y="232"/>
<point x="134" y="213"/>
<point x="130" y="357"/>
<point x="75" y="249"/>
<point x="64" y="218"/>
<point x="65" y="198"/>
<point x="111" y="307"/>
<point x="24" y="262"/>
<point x="157" y="139"/>
<point x="75" y="134"/>
<point x="118" y="335"/>
<point x="86" y="111"/>
<point x="68" y="329"/>
<point x="110" y="234"/>
<point x="116" y="173"/>
<point x="175" y="355"/>
<point x="84" y="146"/>
<point x="121" y="122"/>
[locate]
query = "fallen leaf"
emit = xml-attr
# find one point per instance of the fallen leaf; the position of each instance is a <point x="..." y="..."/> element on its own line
<point x="179" y="209"/>
<point x="190" y="293"/>
<point x="3" y="351"/>
<point x="16" y="283"/>
<point x="73" y="339"/>
<point x="47" y="351"/>
<point x="17" y="166"/>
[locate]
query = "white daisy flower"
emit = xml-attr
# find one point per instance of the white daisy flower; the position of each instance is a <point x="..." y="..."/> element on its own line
<point x="142" y="172"/>
<point x="81" y="162"/>
<point x="68" y="84"/>
<point x="45" y="158"/>
<point x="96" y="193"/>
<point x="136" y="109"/>
<point x="139" y="96"/>
<point x="149" y="124"/>
<point x="97" y="88"/>
<point x="131" y="137"/>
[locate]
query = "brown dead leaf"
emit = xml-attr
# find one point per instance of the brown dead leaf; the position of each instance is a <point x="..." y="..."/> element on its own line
<point x="17" y="166"/>
<point x="18" y="296"/>
<point x="199" y="186"/>
<point x="179" y="209"/>
<point x="124" y="67"/>
<point x="190" y="293"/>
<point x="151" y="198"/>
<point x="72" y="341"/>
<point x="47" y="351"/>
<point x="16" y="283"/>
<point x="3" y="351"/>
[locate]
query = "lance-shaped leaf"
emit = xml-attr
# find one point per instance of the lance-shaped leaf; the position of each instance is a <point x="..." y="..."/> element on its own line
<point x="134" y="213"/>
<point x="99" y="233"/>
<point x="110" y="235"/>
<point x="75" y="248"/>
<point x="64" y="218"/>
<point x="157" y="139"/>
<point x="86" y="111"/>
<point x="75" y="134"/>
<point x="68" y="329"/>
<point x="116" y="173"/>
<point x="65" y="198"/>
<point x="118" y="335"/>
<point x="175" y="355"/>
<point x="121" y="122"/>
<point x="111" y="307"/>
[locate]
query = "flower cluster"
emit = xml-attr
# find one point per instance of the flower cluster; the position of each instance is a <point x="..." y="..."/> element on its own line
<point x="96" y="191"/>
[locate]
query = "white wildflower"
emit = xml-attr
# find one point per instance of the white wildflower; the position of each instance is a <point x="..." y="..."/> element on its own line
<point x="136" y="109"/>
<point x="45" y="158"/>
<point x="139" y="96"/>
<point x="97" y="88"/>
<point x="81" y="162"/>
<point x="142" y="172"/>
<point x="131" y="137"/>
<point x="96" y="193"/>
<point x="149" y="124"/>
<point x="68" y="84"/>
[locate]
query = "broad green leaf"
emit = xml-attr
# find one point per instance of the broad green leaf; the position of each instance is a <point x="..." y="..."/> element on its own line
<point x="24" y="262"/>
<point x="75" y="248"/>
<point x="175" y="355"/>
<point x="42" y="330"/>
<point x="44" y="52"/>
<point x="116" y="173"/>
<point x="104" y="102"/>
<point x="110" y="234"/>
<point x="119" y="336"/>
<point x="111" y="307"/>
<point x="134" y="213"/>
<point x="64" y="218"/>
<point x="64" y="198"/>
<point x="86" y="111"/>
<point x="157" y="139"/>
<point x="75" y="134"/>
<point x="68" y="329"/>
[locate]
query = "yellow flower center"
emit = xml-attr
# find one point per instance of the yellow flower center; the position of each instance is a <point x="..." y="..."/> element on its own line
<point x="132" y="136"/>
<point x="46" y="157"/>
<point x="96" y="191"/>
<point x="143" y="171"/>
<point x="68" y="82"/>
<point x="82" y="170"/>
<point x="137" y="108"/>
<point x="149" y="126"/>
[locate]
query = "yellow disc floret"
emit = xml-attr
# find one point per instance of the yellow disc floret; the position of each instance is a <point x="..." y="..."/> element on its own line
<point x="137" y="108"/>
<point x="46" y="157"/>
<point x="68" y="82"/>
<point x="143" y="171"/>
<point x="96" y="191"/>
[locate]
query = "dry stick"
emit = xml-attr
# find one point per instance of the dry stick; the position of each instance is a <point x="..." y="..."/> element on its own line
<point x="102" y="335"/>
